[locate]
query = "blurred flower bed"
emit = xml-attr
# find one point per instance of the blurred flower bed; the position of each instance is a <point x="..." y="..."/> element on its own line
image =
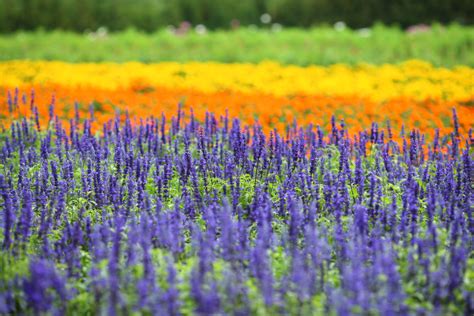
<point x="413" y="93"/>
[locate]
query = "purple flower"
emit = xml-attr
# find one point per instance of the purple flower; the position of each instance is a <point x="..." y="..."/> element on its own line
<point x="42" y="287"/>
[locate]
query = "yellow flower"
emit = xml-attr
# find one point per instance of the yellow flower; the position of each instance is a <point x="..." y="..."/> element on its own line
<point x="415" y="79"/>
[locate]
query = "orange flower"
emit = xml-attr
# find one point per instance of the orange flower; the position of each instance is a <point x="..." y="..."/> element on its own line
<point x="269" y="110"/>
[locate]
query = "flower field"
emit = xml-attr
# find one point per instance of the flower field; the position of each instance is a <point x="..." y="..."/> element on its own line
<point x="205" y="188"/>
<point x="413" y="93"/>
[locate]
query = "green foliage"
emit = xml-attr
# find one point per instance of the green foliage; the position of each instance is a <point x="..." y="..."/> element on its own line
<point x="149" y="15"/>
<point x="442" y="46"/>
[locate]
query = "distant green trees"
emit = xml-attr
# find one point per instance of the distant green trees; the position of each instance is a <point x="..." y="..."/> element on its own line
<point x="149" y="15"/>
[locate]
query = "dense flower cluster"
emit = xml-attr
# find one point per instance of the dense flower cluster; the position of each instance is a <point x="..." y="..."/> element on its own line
<point x="414" y="78"/>
<point x="210" y="216"/>
<point x="413" y="93"/>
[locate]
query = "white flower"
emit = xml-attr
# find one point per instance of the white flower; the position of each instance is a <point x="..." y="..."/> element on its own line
<point x="276" y="27"/>
<point x="200" y="29"/>
<point x="102" y="31"/>
<point x="266" y="18"/>
<point x="340" y="26"/>
<point x="364" y="32"/>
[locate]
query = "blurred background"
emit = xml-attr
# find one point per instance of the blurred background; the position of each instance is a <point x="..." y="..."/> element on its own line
<point x="151" y="15"/>
<point x="299" y="32"/>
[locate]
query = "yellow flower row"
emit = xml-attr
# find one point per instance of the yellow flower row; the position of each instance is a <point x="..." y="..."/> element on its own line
<point x="415" y="79"/>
